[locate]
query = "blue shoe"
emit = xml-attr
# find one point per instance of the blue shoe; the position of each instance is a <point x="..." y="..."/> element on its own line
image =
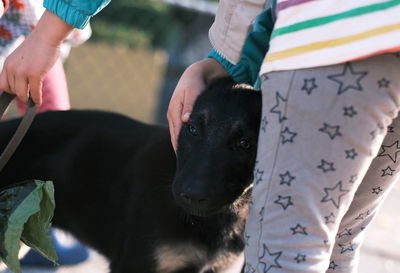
<point x="67" y="256"/>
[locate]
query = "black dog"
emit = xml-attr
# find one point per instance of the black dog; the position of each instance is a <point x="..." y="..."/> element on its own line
<point x="120" y="189"/>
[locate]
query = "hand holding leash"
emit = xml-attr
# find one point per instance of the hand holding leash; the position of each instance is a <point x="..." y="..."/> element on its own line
<point x="26" y="67"/>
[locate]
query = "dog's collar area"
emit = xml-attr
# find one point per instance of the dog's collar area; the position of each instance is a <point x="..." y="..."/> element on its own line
<point x="243" y="86"/>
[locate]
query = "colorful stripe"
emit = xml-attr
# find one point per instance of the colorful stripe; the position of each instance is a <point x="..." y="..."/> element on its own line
<point x="290" y="3"/>
<point x="332" y="18"/>
<point x="330" y="43"/>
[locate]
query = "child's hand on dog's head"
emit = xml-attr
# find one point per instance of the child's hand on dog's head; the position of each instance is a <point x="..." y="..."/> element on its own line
<point x="193" y="81"/>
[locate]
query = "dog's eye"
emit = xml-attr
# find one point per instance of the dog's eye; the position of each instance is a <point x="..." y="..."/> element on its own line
<point x="192" y="130"/>
<point x="244" y="144"/>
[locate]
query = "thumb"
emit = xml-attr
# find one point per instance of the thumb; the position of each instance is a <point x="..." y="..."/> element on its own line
<point x="186" y="114"/>
<point x="188" y="103"/>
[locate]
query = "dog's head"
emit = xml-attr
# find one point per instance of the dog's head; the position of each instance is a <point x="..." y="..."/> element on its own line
<point x="217" y="148"/>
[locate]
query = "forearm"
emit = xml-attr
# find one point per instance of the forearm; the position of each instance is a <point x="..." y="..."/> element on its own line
<point x="51" y="30"/>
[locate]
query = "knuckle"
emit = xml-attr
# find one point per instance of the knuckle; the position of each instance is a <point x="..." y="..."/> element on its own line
<point x="20" y="73"/>
<point x="31" y="75"/>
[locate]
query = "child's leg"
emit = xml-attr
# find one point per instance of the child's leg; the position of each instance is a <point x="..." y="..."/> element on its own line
<point x="377" y="183"/>
<point x="55" y="91"/>
<point x="320" y="131"/>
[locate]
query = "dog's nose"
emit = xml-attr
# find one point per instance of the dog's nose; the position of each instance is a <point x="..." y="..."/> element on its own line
<point x="193" y="199"/>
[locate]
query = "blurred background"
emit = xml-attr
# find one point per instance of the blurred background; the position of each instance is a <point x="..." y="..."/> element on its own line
<point x="137" y="52"/>
<point x="131" y="64"/>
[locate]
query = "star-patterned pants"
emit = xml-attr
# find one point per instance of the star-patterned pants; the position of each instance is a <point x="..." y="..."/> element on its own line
<point x="327" y="157"/>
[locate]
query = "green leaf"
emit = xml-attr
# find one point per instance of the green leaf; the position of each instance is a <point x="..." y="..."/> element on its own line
<point x="26" y="210"/>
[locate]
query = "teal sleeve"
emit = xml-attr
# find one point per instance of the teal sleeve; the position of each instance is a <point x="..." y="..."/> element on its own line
<point x="253" y="53"/>
<point x="76" y="13"/>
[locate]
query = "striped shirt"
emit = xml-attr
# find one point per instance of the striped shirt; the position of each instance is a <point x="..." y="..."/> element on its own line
<point x="312" y="33"/>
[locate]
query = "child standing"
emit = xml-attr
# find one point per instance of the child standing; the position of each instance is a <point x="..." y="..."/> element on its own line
<point x="329" y="137"/>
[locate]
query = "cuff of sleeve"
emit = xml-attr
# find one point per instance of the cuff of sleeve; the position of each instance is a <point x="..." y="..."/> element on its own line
<point x="253" y="51"/>
<point x="69" y="14"/>
<point x="238" y="72"/>
<point x="6" y="4"/>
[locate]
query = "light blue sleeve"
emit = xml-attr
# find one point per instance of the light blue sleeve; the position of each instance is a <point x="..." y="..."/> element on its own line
<point x="253" y="52"/>
<point x="76" y="13"/>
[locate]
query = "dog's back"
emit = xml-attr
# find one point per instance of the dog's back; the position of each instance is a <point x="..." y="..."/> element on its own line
<point x="118" y="190"/>
<point x="86" y="154"/>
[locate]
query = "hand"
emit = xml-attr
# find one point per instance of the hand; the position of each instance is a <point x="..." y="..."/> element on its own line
<point x="2" y="9"/>
<point x="193" y="81"/>
<point x="25" y="68"/>
<point x="4" y="6"/>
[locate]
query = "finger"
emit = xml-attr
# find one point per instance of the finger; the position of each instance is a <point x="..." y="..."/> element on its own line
<point x="21" y="88"/>
<point x="10" y="79"/>
<point x="177" y="130"/>
<point x="4" y="82"/>
<point x="188" y="103"/>
<point x="173" y="138"/>
<point x="174" y="129"/>
<point x="35" y="89"/>
<point x="174" y="116"/>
